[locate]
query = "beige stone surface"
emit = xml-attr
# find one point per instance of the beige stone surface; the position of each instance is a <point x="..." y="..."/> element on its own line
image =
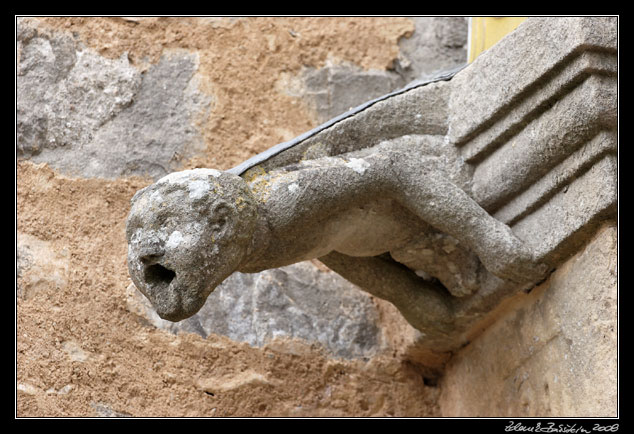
<point x="40" y="266"/>
<point x="553" y="352"/>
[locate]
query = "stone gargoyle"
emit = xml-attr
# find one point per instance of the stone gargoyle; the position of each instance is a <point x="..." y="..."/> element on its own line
<point x="393" y="218"/>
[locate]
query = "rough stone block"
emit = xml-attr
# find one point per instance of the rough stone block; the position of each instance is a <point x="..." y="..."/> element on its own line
<point x="437" y="44"/>
<point x="537" y="99"/>
<point x="334" y="90"/>
<point x="65" y="92"/>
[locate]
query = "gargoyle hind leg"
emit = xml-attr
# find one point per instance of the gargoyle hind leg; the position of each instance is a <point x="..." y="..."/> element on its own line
<point x="427" y="307"/>
<point x="428" y="193"/>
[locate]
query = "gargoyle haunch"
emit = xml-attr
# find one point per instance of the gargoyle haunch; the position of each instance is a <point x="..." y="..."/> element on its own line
<point x="388" y="218"/>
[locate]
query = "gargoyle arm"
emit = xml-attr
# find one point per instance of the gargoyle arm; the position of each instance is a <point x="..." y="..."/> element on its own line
<point x="427" y="192"/>
<point x="417" y="182"/>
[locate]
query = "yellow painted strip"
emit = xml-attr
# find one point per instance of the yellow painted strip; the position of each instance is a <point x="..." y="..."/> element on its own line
<point x="486" y="31"/>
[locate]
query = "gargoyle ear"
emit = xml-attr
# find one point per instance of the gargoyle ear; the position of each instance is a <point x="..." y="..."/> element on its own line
<point x="222" y="219"/>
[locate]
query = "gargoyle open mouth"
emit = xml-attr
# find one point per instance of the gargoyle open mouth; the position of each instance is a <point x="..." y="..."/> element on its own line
<point x="157" y="275"/>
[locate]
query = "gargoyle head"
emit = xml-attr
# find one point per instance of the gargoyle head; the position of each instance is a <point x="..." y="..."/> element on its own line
<point x="187" y="233"/>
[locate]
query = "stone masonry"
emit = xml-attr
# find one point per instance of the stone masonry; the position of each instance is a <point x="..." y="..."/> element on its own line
<point x="534" y="122"/>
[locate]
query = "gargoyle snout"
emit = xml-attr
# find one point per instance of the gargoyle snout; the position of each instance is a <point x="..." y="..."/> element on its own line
<point x="149" y="257"/>
<point x="149" y="250"/>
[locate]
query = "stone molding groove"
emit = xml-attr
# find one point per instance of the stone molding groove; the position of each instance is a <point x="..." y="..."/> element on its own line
<point x="536" y="118"/>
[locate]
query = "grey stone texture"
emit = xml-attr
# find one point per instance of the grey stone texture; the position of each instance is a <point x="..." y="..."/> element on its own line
<point x="560" y="130"/>
<point x="542" y="127"/>
<point x="532" y="56"/>
<point x="535" y="118"/>
<point x="437" y="44"/>
<point x="601" y="145"/>
<point x="64" y="93"/>
<point x="333" y="90"/>
<point x="90" y="116"/>
<point x="104" y="410"/>
<point x="420" y="110"/>
<point x="440" y="155"/>
<point x="307" y="303"/>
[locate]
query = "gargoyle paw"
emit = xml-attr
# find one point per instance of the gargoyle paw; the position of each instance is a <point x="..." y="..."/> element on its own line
<point x="520" y="267"/>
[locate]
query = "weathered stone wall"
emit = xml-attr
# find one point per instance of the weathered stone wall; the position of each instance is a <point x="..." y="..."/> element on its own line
<point x="104" y="106"/>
